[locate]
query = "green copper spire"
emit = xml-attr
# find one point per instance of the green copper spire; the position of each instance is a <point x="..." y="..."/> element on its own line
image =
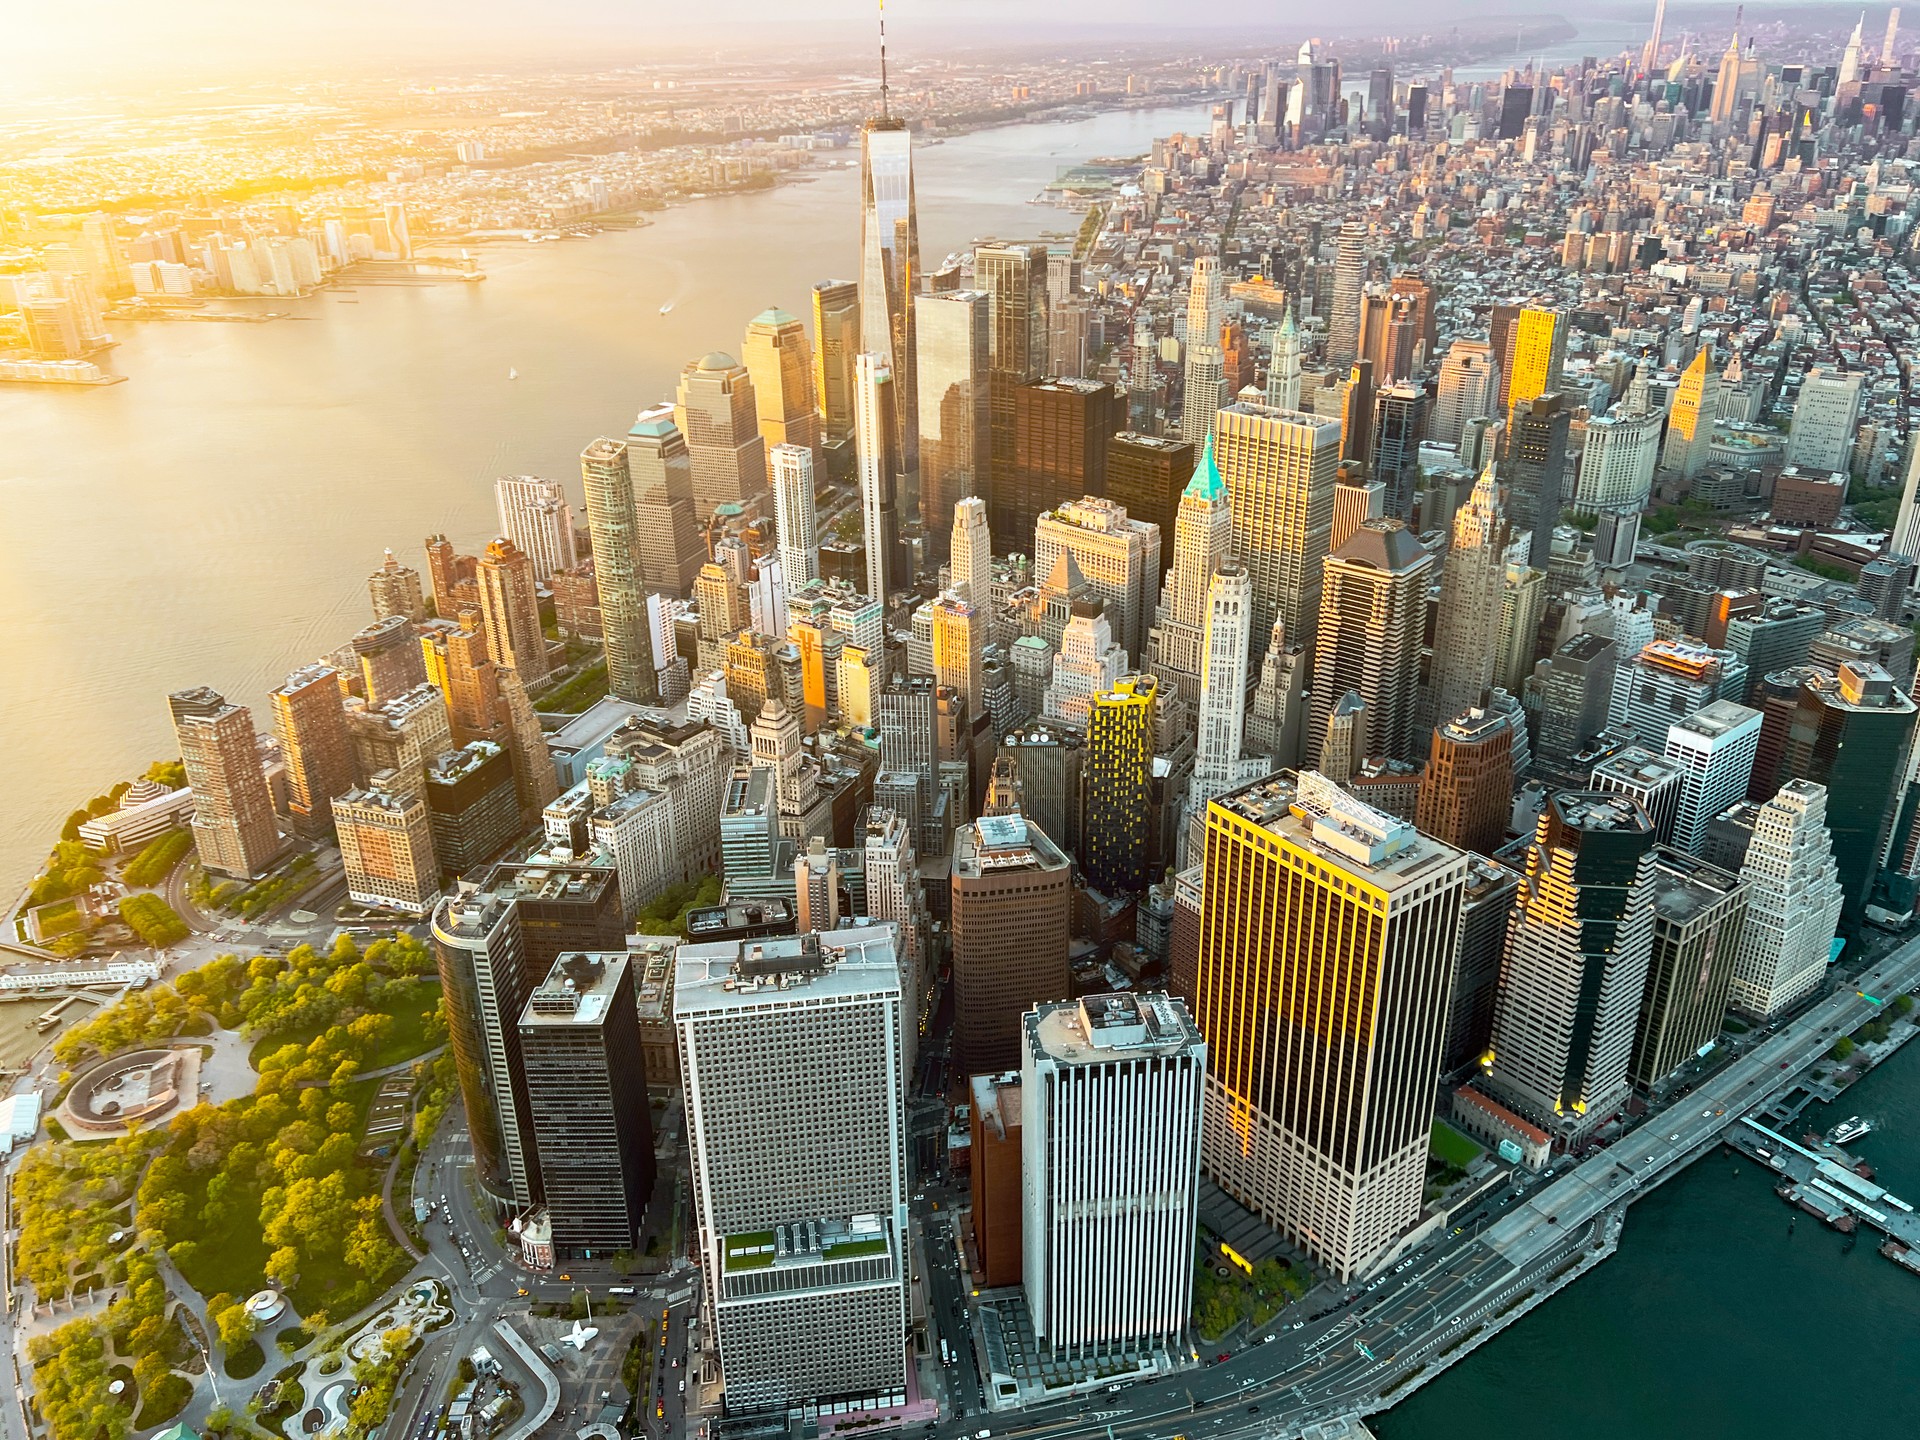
<point x="1206" y="483"/>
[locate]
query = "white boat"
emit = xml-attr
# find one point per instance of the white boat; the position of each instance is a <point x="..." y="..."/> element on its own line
<point x="1849" y="1130"/>
<point x="512" y="374"/>
<point x="666" y="307"/>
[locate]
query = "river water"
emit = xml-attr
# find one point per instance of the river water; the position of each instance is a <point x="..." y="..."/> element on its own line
<point x="212" y="520"/>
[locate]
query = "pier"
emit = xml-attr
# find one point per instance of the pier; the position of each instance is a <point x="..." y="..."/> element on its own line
<point x="1831" y="1189"/>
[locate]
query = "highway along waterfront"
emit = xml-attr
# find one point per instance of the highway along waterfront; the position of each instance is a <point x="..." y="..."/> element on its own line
<point x="1713" y="1319"/>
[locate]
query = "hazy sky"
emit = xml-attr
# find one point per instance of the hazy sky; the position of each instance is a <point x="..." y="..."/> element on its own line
<point x="45" y="45"/>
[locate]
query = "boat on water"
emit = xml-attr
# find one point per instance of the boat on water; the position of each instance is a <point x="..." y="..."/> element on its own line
<point x="664" y="309"/>
<point x="1849" y="1130"/>
<point x="512" y="374"/>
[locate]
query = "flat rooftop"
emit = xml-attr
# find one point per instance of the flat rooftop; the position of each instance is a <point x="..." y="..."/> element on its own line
<point x="576" y="991"/>
<point x="1309" y="811"/>
<point x="1684" y="885"/>
<point x="1719" y="719"/>
<point x="1099" y="1029"/>
<point x="854" y="963"/>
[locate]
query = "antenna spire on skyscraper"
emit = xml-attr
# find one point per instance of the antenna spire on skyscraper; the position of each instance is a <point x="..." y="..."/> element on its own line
<point x="884" y="115"/>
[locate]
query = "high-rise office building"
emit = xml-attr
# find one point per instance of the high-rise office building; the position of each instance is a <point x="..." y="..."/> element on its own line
<point x="796" y="528"/>
<point x="1484" y="912"/>
<point x="1690" y="419"/>
<point x="1534" y="467"/>
<point x="1372" y="612"/>
<point x="613" y="520"/>
<point x="1714" y="748"/>
<point x="717" y="411"/>
<point x="1652" y="781"/>
<point x="1220" y="728"/>
<point x="459" y="666"/>
<point x="1616" y="465"/>
<point x="1349" y="273"/>
<point x="1699" y="912"/>
<point x="1116" y="828"/>
<point x="951" y="360"/>
<point x="890" y="263"/>
<point x="1399" y="426"/>
<point x="959" y="642"/>
<point x="836" y="340"/>
<point x="511" y="611"/>
<point x="1283" y="366"/>
<point x="311" y="725"/>
<point x="1011" y="904"/>
<point x="587" y="1103"/>
<point x="1466" y="796"/>
<point x="876" y="445"/>
<point x="395" y="591"/>
<point x="486" y="975"/>
<point x="996" y="1179"/>
<point x="1276" y="716"/>
<point x="1576" y="967"/>
<point x="1466" y="632"/>
<point x="1575" y="689"/>
<point x="779" y="361"/>
<point x="798" y="1170"/>
<point x="1852" y="734"/>
<point x="1825" y="416"/>
<point x="970" y="569"/>
<point x="1278" y="468"/>
<point x="1326" y="953"/>
<point x="1014" y="278"/>
<point x="1539" y="353"/>
<point x="1667" y="681"/>
<point x="1794" y="899"/>
<point x="233" y="825"/>
<point x="386" y="846"/>
<point x="661" y="471"/>
<point x="1203" y="388"/>
<point x="1061" y="432"/>
<point x="1469" y="389"/>
<point x="1118" y="555"/>
<point x="535" y="515"/>
<point x="1202" y="543"/>
<point x="472" y="807"/>
<point x="1146" y="474"/>
<point x="1111" y="1091"/>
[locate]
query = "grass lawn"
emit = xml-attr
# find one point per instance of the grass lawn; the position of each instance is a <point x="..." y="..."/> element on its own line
<point x="1450" y="1145"/>
<point x="409" y="1006"/>
<point x="246" y="1361"/>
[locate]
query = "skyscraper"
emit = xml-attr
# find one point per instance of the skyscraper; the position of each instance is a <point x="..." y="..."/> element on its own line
<point x="1349" y="271"/>
<point x="1326" y="951"/>
<point x="779" y="362"/>
<point x="876" y="445"/>
<point x="836" y="337"/>
<point x="1061" y="432"/>
<point x="587" y="1101"/>
<point x="1794" y="898"/>
<point x="395" y="590"/>
<point x="1278" y="469"/>
<point x="1714" y="748"/>
<point x="613" y="520"/>
<point x="1825" y="416"/>
<point x="1538" y="355"/>
<point x="1116" y="829"/>
<point x="890" y="261"/>
<point x="1617" y="462"/>
<point x="959" y="638"/>
<point x="511" y="611"/>
<point x="668" y="529"/>
<point x="1534" y="469"/>
<point x="1118" y="555"/>
<point x="1220" y="733"/>
<point x="1372" y="611"/>
<point x="486" y="975"/>
<point x="1699" y="912"/>
<point x="971" y="545"/>
<point x="390" y="661"/>
<point x="793" y="510"/>
<point x="1469" y="389"/>
<point x="1204" y="373"/>
<point x="1576" y="967"/>
<point x="1466" y="795"/>
<point x="1014" y="278"/>
<point x="1011" y="902"/>
<point x="716" y="410"/>
<point x="1202" y="542"/>
<point x="311" y="725"/>
<point x="1283" y="367"/>
<point x="1147" y="474"/>
<point x="1696" y="405"/>
<point x="798" y="1170"/>
<point x="950" y="370"/>
<point x="1852" y="734"/>
<point x="233" y="826"/>
<point x="1111" y="1092"/>
<point x="1466" y="632"/>
<point x="535" y="515"/>
<point x="386" y="845"/>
